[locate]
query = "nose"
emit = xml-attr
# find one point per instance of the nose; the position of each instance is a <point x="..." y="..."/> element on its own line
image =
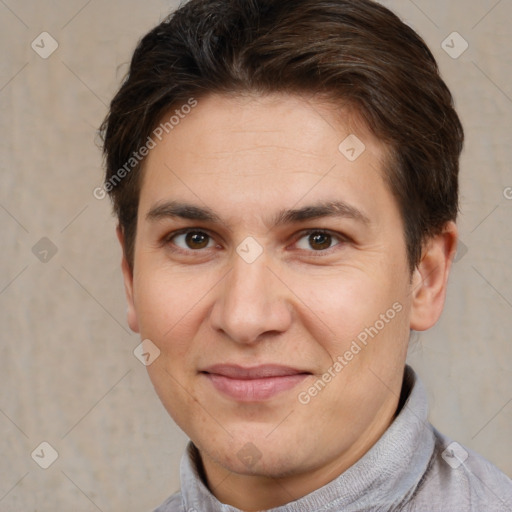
<point x="252" y="303"/>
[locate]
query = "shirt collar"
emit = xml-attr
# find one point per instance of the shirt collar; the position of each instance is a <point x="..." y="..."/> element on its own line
<point x="385" y="476"/>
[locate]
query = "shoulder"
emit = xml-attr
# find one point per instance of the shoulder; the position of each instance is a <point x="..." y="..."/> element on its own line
<point x="459" y="479"/>
<point x="171" y="504"/>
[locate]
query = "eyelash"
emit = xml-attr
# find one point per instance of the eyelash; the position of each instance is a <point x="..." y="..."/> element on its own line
<point x="338" y="236"/>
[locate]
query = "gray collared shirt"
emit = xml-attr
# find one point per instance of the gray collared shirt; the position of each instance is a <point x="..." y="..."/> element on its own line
<point x="411" y="468"/>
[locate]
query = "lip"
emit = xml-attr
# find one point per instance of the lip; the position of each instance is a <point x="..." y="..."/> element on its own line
<point x="253" y="384"/>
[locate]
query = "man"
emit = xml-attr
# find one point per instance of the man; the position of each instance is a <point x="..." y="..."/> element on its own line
<point x="285" y="175"/>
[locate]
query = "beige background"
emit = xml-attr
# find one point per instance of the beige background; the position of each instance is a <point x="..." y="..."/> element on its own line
<point x="68" y="374"/>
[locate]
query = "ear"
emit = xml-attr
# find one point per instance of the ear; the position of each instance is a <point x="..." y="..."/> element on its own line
<point x="131" y="312"/>
<point x="430" y="278"/>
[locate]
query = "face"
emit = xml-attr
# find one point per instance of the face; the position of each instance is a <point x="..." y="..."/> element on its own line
<point x="270" y="270"/>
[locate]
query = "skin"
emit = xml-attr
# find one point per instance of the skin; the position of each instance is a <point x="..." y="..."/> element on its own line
<point x="300" y="304"/>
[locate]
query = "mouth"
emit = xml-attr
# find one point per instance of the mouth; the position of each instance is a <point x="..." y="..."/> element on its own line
<point x="253" y="384"/>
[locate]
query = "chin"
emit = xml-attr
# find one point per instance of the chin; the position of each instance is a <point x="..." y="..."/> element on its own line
<point x="255" y="456"/>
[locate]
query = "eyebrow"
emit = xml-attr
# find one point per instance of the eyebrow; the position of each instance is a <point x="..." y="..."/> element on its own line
<point x="324" y="209"/>
<point x="171" y="209"/>
<point x="176" y="209"/>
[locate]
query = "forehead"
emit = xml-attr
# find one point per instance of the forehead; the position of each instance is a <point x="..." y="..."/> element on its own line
<point x="278" y="147"/>
<point x="310" y="125"/>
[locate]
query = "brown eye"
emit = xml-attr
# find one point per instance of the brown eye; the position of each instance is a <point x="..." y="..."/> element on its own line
<point x="317" y="241"/>
<point x="196" y="240"/>
<point x="320" y="241"/>
<point x="192" y="240"/>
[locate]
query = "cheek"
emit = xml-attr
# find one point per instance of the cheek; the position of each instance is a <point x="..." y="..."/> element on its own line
<point x="360" y="317"/>
<point x="169" y="305"/>
<point x="170" y="308"/>
<point x="342" y="304"/>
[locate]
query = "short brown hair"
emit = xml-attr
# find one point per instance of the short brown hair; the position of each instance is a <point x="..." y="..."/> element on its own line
<point x="353" y="52"/>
